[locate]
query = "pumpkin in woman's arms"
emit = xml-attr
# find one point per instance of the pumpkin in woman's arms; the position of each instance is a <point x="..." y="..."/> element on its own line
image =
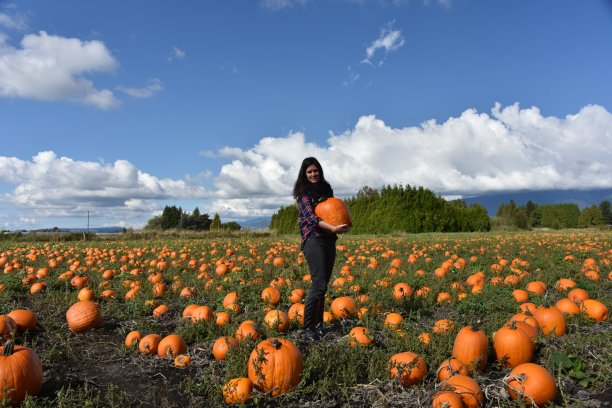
<point x="334" y="211"/>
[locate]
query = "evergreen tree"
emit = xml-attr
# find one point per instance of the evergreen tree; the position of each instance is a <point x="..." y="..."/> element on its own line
<point x="171" y="217"/>
<point x="606" y="212"/>
<point x="215" y="225"/>
<point x="591" y="217"/>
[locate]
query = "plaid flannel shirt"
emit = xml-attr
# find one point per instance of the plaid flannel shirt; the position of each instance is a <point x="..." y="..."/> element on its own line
<point x="308" y="220"/>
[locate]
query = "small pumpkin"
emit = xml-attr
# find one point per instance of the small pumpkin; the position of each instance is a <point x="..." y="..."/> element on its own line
<point x="277" y="320"/>
<point x="360" y="336"/>
<point x="409" y="367"/>
<point x="172" y="345"/>
<point x="222" y="346"/>
<point x="449" y="367"/>
<point x="237" y="391"/>
<point x="148" y="344"/>
<point x="343" y="307"/>
<point x="467" y="388"/>
<point x="447" y="399"/>
<point x="182" y="360"/>
<point x="133" y="338"/>
<point x="595" y="310"/>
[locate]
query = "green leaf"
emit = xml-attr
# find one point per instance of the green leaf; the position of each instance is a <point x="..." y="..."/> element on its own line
<point x="561" y="360"/>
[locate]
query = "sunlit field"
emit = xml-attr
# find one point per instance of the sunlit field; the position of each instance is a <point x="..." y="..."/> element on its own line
<point x="161" y="322"/>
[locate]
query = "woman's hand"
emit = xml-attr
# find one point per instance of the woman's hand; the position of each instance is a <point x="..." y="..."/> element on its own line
<point x="339" y="229"/>
<point x="336" y="229"/>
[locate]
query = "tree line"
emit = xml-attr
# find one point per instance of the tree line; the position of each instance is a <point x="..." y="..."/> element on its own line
<point x="555" y="216"/>
<point x="399" y="208"/>
<point x="175" y="218"/>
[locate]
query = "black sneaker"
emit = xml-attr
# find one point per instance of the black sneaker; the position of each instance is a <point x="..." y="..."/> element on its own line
<point x="311" y="335"/>
<point x="320" y="330"/>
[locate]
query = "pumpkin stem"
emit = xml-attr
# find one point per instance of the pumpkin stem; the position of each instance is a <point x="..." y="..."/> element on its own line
<point x="8" y="348"/>
<point x="513" y="324"/>
<point x="476" y="325"/>
<point x="277" y="344"/>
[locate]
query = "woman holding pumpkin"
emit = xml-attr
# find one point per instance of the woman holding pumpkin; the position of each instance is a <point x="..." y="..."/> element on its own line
<point x="318" y="241"/>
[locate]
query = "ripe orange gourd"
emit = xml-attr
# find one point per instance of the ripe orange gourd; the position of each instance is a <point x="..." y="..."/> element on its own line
<point x="531" y="383"/>
<point x="334" y="211"/>
<point x="84" y="315"/>
<point x="275" y="366"/>
<point x="409" y="367"/>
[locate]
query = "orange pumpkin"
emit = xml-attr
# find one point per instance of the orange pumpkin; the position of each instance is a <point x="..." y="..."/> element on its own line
<point x="532" y="384"/>
<point x="171" y="346"/>
<point x="237" y="391"/>
<point x="24" y="319"/>
<point x="334" y="211"/>
<point x="21" y="373"/>
<point x="360" y="336"/>
<point x="595" y="310"/>
<point x="467" y="388"/>
<point x="344" y="307"/>
<point x="275" y="366"/>
<point x="449" y="367"/>
<point x="513" y="346"/>
<point x="471" y="347"/>
<point x="222" y="346"/>
<point x="84" y="315"/>
<point x="409" y="367"/>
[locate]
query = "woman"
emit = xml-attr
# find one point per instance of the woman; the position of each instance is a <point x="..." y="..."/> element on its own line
<point x="318" y="241"/>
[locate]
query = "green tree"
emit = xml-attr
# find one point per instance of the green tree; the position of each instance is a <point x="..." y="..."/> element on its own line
<point x="171" y="217"/>
<point x="591" y="217"/>
<point x="154" y="223"/>
<point x="606" y="212"/>
<point x="215" y="225"/>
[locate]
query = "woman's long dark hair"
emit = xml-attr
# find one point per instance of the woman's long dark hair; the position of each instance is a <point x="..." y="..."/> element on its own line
<point x="302" y="184"/>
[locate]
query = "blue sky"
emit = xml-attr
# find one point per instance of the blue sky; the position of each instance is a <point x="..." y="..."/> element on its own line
<point x="122" y="107"/>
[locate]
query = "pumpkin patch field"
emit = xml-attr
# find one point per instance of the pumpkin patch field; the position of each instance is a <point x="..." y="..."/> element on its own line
<point x="443" y="320"/>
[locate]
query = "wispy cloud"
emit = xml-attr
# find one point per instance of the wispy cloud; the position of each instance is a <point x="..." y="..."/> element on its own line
<point x="276" y="5"/>
<point x="389" y="40"/>
<point x="154" y="86"/>
<point x="177" y="54"/>
<point x="352" y="78"/>
<point x="13" y="22"/>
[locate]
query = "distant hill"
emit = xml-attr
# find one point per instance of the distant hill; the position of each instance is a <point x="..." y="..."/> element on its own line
<point x="99" y="230"/>
<point x="581" y="197"/>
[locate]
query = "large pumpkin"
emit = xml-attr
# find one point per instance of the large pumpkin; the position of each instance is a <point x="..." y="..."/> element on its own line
<point x="21" y="373"/>
<point x="532" y="383"/>
<point x="468" y="389"/>
<point x="84" y="315"/>
<point x="513" y="346"/>
<point x="471" y="347"/>
<point x="275" y="366"/>
<point x="334" y="211"/>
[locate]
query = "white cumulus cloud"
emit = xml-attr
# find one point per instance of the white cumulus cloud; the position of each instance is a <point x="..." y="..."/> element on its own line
<point x="51" y="68"/>
<point x="61" y="186"/>
<point x="509" y="149"/>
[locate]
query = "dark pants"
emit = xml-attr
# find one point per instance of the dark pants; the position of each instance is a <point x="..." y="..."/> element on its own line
<point x="320" y="254"/>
